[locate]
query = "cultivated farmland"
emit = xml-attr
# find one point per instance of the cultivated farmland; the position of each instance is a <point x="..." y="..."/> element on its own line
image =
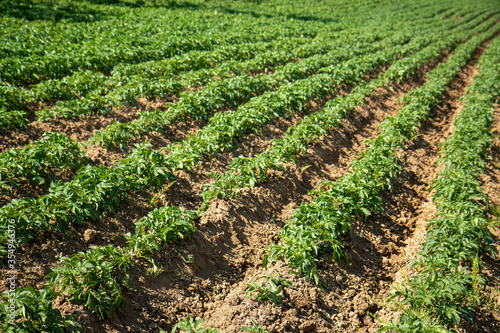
<point x="259" y="166"/>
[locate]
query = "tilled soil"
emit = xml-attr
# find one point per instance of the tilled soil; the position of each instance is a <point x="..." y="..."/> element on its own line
<point x="207" y="276"/>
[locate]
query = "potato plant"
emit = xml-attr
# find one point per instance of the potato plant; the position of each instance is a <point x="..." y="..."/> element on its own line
<point x="459" y="234"/>
<point x="320" y="224"/>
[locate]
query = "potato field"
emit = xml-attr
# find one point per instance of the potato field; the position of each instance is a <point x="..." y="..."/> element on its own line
<point x="249" y="166"/>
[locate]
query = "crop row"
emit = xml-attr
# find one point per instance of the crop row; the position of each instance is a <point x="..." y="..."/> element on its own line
<point x="134" y="46"/>
<point x="148" y="235"/>
<point x="91" y="92"/>
<point x="97" y="189"/>
<point x="76" y="274"/>
<point x="208" y="97"/>
<point x="318" y="225"/>
<point x="245" y="171"/>
<point x="100" y="188"/>
<point x="295" y="140"/>
<point x="201" y="100"/>
<point x="37" y="161"/>
<point x="223" y="87"/>
<point x="448" y="281"/>
<point x="23" y="38"/>
<point x="136" y="27"/>
<point x="160" y="226"/>
<point x="220" y="93"/>
<point x="119" y="89"/>
<point x="75" y="86"/>
<point x="87" y="92"/>
<point x="96" y="277"/>
<point x="94" y="189"/>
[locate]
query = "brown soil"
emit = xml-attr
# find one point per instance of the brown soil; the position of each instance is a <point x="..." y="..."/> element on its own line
<point x="207" y="276"/>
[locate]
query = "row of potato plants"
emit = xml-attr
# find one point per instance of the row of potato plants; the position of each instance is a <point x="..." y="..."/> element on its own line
<point x="44" y="162"/>
<point x="127" y="85"/>
<point x="182" y="105"/>
<point x="150" y="88"/>
<point x="75" y="277"/>
<point x="150" y="231"/>
<point x="109" y="265"/>
<point x="246" y="172"/>
<point x="105" y="298"/>
<point x="93" y="191"/>
<point x="289" y="72"/>
<point x="160" y="226"/>
<point x="317" y="226"/>
<point x="121" y="133"/>
<point x="81" y="83"/>
<point x="272" y="31"/>
<point x="63" y="211"/>
<point x="128" y="89"/>
<point x="151" y="22"/>
<point x="153" y="79"/>
<point x="160" y="86"/>
<point x="127" y="43"/>
<point x="319" y="123"/>
<point x="39" y="160"/>
<point x="24" y="70"/>
<point x="91" y="100"/>
<point x="86" y="92"/>
<point x="447" y="284"/>
<point x="136" y="27"/>
<point x="24" y="37"/>
<point x="88" y="300"/>
<point x="97" y="189"/>
<point x="95" y="278"/>
<point x="229" y="92"/>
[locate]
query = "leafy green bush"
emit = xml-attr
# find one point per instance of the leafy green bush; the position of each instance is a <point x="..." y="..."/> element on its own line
<point x="270" y="291"/>
<point x="94" y="278"/>
<point x="34" y="313"/>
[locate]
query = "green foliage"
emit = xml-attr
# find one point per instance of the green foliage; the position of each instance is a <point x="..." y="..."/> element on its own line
<point x="162" y="225"/>
<point x="90" y="56"/>
<point x="92" y="191"/>
<point x="34" y="313"/>
<point x="94" y="279"/>
<point x="317" y="225"/>
<point x="244" y="171"/>
<point x="38" y="160"/>
<point x="12" y="119"/>
<point x="270" y="291"/>
<point x="191" y="326"/>
<point x="446" y="288"/>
